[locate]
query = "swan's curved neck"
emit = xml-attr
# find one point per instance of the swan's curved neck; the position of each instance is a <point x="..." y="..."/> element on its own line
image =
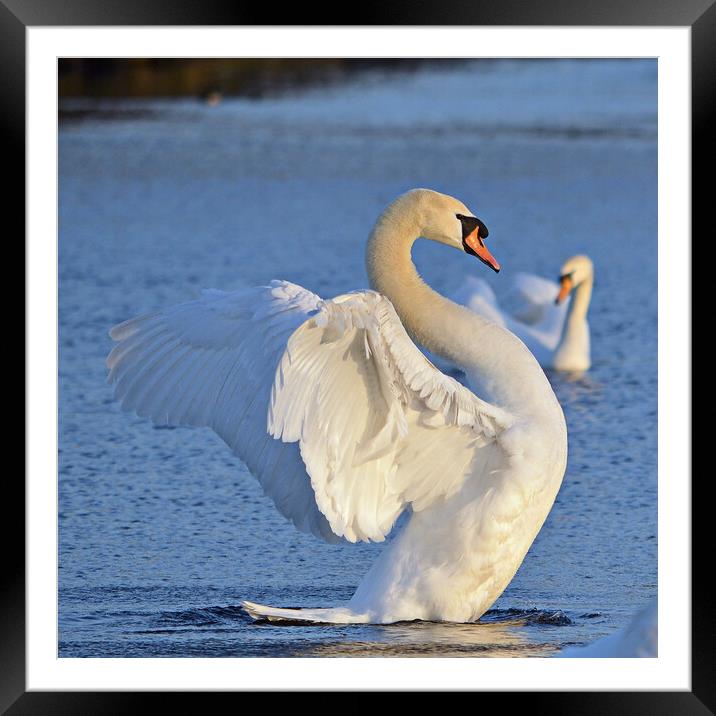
<point x="391" y="272"/>
<point x="490" y="355"/>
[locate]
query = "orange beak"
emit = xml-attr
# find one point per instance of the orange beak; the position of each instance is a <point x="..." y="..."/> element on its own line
<point x="476" y="246"/>
<point x="565" y="286"/>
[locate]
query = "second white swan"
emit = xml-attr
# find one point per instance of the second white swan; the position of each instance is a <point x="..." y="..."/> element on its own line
<point x="550" y="318"/>
<point x="346" y="424"/>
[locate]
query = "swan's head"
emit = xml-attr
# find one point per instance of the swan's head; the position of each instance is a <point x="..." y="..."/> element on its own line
<point x="446" y="220"/>
<point x="574" y="271"/>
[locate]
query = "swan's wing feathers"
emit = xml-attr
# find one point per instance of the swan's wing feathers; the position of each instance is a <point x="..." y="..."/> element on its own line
<point x="211" y="362"/>
<point x="477" y="295"/>
<point x="367" y="424"/>
<point x="530" y="297"/>
<point x="378" y="426"/>
<point x="535" y="289"/>
<point x="439" y="392"/>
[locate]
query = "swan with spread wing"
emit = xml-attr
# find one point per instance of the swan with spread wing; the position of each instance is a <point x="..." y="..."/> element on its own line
<point x="346" y="424"/>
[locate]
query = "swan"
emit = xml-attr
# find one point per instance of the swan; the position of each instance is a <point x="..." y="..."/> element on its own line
<point x="550" y="318"/>
<point x="346" y="424"/>
<point x="639" y="638"/>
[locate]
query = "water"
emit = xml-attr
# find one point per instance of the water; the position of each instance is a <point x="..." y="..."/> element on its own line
<point x="163" y="531"/>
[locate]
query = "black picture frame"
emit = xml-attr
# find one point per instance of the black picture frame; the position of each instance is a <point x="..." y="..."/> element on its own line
<point x="17" y="15"/>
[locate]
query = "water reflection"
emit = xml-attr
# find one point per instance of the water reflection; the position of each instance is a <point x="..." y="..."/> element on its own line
<point x="435" y="639"/>
<point x="501" y="633"/>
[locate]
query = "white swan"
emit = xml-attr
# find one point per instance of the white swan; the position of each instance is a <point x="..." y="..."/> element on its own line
<point x="363" y="426"/>
<point x="537" y="312"/>
<point x="639" y="638"/>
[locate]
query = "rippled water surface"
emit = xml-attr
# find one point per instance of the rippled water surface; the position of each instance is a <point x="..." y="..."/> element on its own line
<point x="163" y="531"/>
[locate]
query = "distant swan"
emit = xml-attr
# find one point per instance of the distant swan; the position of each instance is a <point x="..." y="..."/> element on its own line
<point x="346" y="424"/>
<point x="639" y="638"/>
<point x="537" y="312"/>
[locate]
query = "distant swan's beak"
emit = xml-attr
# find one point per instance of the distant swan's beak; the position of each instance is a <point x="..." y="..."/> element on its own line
<point x="565" y="286"/>
<point x="473" y="244"/>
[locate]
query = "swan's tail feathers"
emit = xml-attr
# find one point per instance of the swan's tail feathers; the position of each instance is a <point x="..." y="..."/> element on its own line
<point x="331" y="615"/>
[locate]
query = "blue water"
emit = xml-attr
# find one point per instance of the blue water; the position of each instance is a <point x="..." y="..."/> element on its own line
<point x="163" y="531"/>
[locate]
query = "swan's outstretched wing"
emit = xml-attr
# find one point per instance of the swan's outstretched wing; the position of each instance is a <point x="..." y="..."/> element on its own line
<point x="211" y="362"/>
<point x="377" y="426"/>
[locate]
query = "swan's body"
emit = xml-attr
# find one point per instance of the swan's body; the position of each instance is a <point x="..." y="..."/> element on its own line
<point x="364" y="426"/>
<point x="556" y="333"/>
<point x="639" y="638"/>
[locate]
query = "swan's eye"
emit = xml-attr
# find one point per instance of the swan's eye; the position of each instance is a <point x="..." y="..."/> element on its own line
<point x="470" y="223"/>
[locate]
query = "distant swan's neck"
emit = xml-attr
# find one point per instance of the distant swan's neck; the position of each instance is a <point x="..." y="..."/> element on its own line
<point x="451" y="331"/>
<point x="577" y="312"/>
<point x="573" y="351"/>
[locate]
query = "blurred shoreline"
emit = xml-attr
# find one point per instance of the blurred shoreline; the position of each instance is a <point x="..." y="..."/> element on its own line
<point x="215" y="78"/>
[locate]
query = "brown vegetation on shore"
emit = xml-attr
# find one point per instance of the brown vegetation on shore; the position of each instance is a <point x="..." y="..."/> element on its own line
<point x="209" y="78"/>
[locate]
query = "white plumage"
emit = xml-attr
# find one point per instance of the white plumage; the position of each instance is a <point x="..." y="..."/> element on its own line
<point x="639" y="638"/>
<point x="211" y="362"/>
<point x="346" y="424"/>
